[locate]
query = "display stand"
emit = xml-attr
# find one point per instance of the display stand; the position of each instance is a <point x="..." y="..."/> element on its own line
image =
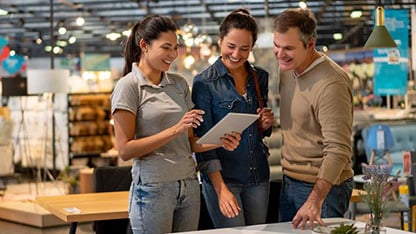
<point x="46" y="172"/>
<point x="47" y="82"/>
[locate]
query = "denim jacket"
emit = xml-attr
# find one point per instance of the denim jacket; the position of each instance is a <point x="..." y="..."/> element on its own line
<point x="214" y="91"/>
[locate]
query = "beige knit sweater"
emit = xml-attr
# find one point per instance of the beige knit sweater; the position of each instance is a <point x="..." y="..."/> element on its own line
<point x="316" y="114"/>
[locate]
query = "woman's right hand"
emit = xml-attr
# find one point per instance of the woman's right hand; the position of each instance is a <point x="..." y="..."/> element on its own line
<point x="230" y="141"/>
<point x="191" y="119"/>
<point x="228" y="203"/>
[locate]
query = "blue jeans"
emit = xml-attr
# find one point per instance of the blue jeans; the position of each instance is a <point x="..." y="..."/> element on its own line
<point x="165" y="207"/>
<point x="294" y="193"/>
<point x="253" y="200"/>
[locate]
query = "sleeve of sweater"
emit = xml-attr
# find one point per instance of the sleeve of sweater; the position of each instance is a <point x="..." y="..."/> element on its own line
<point x="335" y="117"/>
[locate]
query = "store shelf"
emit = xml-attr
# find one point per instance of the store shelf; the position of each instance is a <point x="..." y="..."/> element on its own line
<point x="88" y="125"/>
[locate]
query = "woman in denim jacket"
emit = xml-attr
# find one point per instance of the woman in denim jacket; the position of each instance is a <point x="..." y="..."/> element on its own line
<point x="235" y="184"/>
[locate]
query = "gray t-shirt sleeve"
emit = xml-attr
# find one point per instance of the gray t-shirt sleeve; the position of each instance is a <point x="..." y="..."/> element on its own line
<point x="125" y="95"/>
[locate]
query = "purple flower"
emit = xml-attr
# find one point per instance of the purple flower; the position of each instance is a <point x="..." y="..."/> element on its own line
<point x="379" y="172"/>
<point x="378" y="189"/>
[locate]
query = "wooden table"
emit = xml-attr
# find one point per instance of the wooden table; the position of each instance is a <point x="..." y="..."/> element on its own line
<point x="355" y="196"/>
<point x="74" y="208"/>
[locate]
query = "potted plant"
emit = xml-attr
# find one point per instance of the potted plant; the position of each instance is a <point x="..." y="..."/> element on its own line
<point x="71" y="177"/>
<point x="345" y="229"/>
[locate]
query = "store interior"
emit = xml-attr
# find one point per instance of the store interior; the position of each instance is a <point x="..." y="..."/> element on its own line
<point x="54" y="134"/>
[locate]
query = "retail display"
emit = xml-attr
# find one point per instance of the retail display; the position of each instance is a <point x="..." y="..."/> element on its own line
<point x="88" y="124"/>
<point x="6" y="147"/>
<point x="403" y="135"/>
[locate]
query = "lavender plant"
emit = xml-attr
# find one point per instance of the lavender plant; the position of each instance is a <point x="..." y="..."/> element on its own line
<point x="379" y="190"/>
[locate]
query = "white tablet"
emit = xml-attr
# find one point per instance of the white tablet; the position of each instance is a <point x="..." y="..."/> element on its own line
<point x="231" y="122"/>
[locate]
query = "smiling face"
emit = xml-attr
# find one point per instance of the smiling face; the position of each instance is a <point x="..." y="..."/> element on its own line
<point x="290" y="50"/>
<point x="235" y="48"/>
<point x="161" y="52"/>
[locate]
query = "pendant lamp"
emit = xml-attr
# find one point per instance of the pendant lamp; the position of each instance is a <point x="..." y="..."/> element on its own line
<point x="380" y="37"/>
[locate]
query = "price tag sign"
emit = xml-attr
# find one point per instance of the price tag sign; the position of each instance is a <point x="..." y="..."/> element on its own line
<point x="407" y="163"/>
<point x="380" y="139"/>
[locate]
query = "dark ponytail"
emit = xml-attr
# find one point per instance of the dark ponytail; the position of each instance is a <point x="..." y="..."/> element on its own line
<point x="148" y="29"/>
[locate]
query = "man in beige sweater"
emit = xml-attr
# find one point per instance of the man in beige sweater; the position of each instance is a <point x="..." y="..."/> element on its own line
<point x="316" y="119"/>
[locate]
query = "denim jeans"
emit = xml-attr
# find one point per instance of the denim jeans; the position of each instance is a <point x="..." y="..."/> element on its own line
<point x="253" y="200"/>
<point x="294" y="193"/>
<point x="157" y="208"/>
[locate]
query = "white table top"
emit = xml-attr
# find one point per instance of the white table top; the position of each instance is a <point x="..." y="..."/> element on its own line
<point x="282" y="228"/>
<point x="359" y="179"/>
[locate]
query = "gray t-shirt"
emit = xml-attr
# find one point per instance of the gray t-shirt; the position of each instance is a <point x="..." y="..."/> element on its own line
<point x="157" y="107"/>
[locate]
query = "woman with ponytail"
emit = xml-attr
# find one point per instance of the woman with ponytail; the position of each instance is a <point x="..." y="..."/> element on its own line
<point x="153" y="122"/>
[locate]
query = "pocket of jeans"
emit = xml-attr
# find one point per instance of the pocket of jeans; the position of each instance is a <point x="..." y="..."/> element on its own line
<point x="147" y="191"/>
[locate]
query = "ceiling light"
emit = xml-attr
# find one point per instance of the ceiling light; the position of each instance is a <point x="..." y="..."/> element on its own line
<point x="72" y="39"/>
<point x="303" y="4"/>
<point x="113" y="36"/>
<point x="80" y="21"/>
<point x="189" y="42"/>
<point x="203" y="40"/>
<point x="337" y="36"/>
<point x="191" y="28"/>
<point x="3" y="12"/>
<point x="57" y="50"/>
<point x="62" y="30"/>
<point x="380" y="37"/>
<point x="355" y="14"/>
<point x="61" y="43"/>
<point x="48" y="48"/>
<point x="39" y="40"/>
<point x="205" y="51"/>
<point x="126" y="33"/>
<point x="189" y="31"/>
<point x="188" y="61"/>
